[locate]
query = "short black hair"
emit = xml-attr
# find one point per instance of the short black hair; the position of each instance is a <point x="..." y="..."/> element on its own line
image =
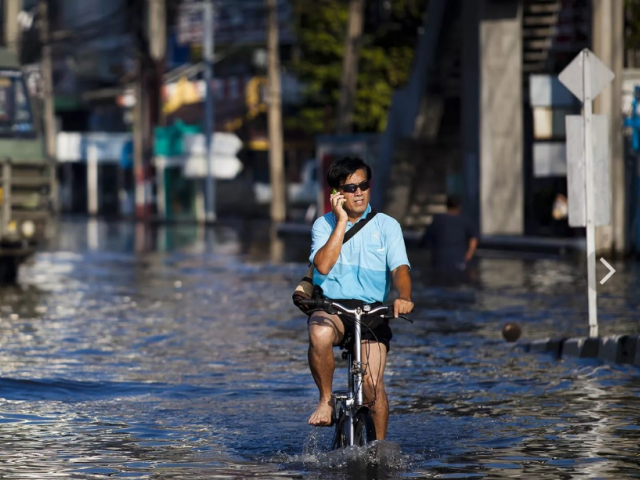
<point x="341" y="169"/>
<point x="453" y="201"/>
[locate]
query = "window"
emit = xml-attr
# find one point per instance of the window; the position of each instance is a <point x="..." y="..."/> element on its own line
<point x="15" y="112"/>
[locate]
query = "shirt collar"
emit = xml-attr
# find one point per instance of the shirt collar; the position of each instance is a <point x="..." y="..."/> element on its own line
<point x="364" y="215"/>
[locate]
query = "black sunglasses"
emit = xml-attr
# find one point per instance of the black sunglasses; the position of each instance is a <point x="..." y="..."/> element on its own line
<point x="352" y="187"/>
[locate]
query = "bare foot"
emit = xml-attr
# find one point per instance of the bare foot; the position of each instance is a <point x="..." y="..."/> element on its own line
<point x="322" y="416"/>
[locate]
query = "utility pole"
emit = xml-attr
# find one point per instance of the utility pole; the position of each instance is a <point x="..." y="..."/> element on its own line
<point x="209" y="114"/>
<point x="157" y="29"/>
<point x="138" y="141"/>
<point x="349" y="81"/>
<point x="157" y="45"/>
<point x="150" y="53"/>
<point x="139" y="109"/>
<point x="276" y="160"/>
<point x="47" y="80"/>
<point x="11" y="26"/>
<point x="608" y="45"/>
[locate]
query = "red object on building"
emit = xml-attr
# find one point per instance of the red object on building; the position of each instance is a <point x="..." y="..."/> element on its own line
<point x="322" y="176"/>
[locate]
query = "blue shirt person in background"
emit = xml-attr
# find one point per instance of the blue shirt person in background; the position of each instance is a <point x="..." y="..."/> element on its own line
<point x="451" y="238"/>
<point x="363" y="269"/>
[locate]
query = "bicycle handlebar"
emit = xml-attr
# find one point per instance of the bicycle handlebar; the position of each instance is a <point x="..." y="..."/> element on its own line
<point x="365" y="309"/>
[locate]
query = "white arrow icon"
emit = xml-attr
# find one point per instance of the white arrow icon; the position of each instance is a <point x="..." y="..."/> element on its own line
<point x="611" y="271"/>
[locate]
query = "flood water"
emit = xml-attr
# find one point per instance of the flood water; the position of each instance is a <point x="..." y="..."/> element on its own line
<point x="176" y="353"/>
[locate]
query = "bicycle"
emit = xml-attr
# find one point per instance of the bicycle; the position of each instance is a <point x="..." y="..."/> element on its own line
<point x="351" y="416"/>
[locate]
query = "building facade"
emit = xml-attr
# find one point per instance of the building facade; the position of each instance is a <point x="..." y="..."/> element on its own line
<point x="483" y="114"/>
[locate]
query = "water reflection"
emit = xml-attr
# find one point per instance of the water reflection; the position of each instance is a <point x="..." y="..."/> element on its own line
<point x="174" y="351"/>
<point x="256" y="239"/>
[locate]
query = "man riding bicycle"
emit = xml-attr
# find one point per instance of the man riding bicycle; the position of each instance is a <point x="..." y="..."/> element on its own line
<point x="362" y="270"/>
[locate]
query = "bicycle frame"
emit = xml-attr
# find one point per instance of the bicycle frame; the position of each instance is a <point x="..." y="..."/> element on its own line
<point x="355" y="370"/>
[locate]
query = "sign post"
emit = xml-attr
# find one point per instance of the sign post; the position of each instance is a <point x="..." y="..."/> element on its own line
<point x="587" y="161"/>
<point x="209" y="122"/>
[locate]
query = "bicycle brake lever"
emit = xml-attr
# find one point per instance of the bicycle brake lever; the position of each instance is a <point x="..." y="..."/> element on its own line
<point x="391" y="317"/>
<point x="405" y="318"/>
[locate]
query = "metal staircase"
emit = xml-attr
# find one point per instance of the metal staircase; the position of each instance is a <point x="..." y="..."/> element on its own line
<point x="553" y="32"/>
<point x="539" y="22"/>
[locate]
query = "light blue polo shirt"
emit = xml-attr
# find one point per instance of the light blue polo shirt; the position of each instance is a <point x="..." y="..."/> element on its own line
<point x="363" y="270"/>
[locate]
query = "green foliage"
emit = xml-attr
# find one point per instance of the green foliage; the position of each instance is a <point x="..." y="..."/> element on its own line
<point x="389" y="40"/>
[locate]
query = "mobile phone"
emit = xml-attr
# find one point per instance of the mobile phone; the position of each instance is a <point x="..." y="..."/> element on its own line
<point x="334" y="192"/>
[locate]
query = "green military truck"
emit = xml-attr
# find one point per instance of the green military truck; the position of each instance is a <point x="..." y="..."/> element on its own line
<point x="27" y="175"/>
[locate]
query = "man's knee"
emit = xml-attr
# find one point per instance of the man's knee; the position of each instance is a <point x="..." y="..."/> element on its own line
<point x="373" y="386"/>
<point x="324" y="330"/>
<point x="321" y="334"/>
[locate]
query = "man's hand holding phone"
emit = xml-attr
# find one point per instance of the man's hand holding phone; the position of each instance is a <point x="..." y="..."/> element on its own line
<point x="337" y="201"/>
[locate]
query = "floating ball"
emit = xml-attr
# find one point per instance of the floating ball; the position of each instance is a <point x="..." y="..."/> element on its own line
<point x="511" y="332"/>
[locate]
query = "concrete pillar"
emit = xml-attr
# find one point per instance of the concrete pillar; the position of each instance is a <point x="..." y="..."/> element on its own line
<point x="492" y="115"/>
<point x="608" y="45"/>
<point x="501" y="135"/>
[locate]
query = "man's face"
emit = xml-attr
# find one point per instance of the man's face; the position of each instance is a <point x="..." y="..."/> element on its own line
<point x="356" y="203"/>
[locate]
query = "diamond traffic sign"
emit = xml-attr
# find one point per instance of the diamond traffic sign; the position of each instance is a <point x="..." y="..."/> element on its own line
<point x="586" y="69"/>
<point x="588" y="161"/>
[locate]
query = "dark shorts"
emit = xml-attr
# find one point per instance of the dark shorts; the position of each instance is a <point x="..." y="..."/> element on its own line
<point x="379" y="333"/>
<point x="376" y="331"/>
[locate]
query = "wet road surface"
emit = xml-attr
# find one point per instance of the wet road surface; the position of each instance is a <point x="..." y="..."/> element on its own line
<point x="176" y="353"/>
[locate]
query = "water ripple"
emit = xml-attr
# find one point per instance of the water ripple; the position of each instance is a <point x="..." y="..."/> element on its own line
<point x="176" y="352"/>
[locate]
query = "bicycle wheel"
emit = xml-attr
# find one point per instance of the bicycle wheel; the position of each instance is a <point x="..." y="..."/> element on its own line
<point x="364" y="430"/>
<point x="341" y="433"/>
<point x="340" y="420"/>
